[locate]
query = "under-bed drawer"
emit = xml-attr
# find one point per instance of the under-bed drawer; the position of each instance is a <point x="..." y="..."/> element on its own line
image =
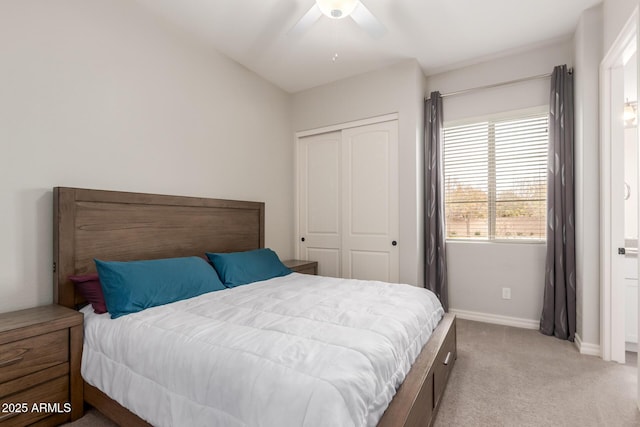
<point x="22" y="357"/>
<point x="443" y="364"/>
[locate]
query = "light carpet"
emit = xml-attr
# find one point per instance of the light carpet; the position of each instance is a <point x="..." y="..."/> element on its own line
<point x="507" y="376"/>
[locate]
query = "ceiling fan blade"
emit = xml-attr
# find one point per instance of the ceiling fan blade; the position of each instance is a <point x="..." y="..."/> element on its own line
<point x="307" y="20"/>
<point x="367" y="21"/>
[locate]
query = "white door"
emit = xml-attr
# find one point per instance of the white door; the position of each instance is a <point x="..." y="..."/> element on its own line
<point x="613" y="94"/>
<point x="319" y="201"/>
<point x="348" y="202"/>
<point x="624" y="209"/>
<point x="617" y="214"/>
<point x="370" y="202"/>
<point x="630" y="227"/>
<point x="631" y="302"/>
<point x="619" y="220"/>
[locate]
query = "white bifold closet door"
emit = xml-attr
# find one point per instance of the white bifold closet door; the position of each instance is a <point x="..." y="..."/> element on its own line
<point x="348" y="201"/>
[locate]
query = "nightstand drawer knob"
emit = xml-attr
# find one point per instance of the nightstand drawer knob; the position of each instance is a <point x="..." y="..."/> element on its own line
<point x="302" y="239"/>
<point x="10" y="362"/>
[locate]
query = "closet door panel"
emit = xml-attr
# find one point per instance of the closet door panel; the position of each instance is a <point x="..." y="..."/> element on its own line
<point x="320" y="201"/>
<point x="370" y="202"/>
<point x="328" y="260"/>
<point x="369" y="184"/>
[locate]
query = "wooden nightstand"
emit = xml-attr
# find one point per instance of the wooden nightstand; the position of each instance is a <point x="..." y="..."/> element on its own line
<point x="40" y="352"/>
<point x="304" y="267"/>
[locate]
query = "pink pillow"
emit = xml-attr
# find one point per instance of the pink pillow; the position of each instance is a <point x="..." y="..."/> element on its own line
<point x="91" y="290"/>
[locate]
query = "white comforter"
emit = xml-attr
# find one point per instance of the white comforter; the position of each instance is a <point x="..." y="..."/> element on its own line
<point x="298" y="350"/>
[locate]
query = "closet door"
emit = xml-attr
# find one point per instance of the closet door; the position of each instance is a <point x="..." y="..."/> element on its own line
<point x="370" y="202"/>
<point x="319" y="198"/>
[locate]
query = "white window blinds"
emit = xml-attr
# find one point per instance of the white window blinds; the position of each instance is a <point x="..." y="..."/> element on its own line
<point x="495" y="178"/>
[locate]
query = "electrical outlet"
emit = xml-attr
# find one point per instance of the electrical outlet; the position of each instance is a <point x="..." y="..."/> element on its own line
<point x="506" y="293"/>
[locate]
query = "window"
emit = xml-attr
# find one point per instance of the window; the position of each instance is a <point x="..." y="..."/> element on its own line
<point x="495" y="173"/>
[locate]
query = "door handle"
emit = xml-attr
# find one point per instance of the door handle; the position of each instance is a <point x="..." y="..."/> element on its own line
<point x="302" y="239"/>
<point x="627" y="251"/>
<point x="394" y="243"/>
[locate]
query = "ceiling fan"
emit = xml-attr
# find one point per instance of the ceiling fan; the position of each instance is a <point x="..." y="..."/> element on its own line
<point x="339" y="9"/>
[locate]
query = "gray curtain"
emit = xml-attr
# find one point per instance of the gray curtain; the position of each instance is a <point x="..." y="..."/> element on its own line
<point x="435" y="274"/>
<point x="559" y="306"/>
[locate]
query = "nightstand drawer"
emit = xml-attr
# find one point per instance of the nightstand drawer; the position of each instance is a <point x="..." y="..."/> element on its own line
<point x="50" y="398"/>
<point x="308" y="270"/>
<point x="19" y="358"/>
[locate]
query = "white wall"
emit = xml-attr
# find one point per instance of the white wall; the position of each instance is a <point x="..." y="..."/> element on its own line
<point x="615" y="13"/>
<point x="102" y="94"/>
<point x="395" y="89"/>
<point x="479" y="271"/>
<point x="587" y="43"/>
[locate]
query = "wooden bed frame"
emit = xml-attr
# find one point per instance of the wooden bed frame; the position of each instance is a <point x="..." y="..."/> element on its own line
<point x="124" y="226"/>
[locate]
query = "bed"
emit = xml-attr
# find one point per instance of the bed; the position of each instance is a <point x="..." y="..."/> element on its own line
<point x="122" y="226"/>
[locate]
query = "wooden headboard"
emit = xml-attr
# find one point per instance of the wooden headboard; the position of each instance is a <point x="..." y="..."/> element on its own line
<point x="120" y="226"/>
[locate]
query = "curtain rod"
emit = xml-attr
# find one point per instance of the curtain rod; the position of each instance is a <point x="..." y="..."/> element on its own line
<point x="510" y="82"/>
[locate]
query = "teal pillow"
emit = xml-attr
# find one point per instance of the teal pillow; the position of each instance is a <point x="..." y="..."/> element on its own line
<point x="132" y="286"/>
<point x="240" y="268"/>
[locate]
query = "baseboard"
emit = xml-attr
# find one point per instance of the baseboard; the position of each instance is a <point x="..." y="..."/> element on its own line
<point x="587" y="348"/>
<point x="496" y="319"/>
<point x="631" y="346"/>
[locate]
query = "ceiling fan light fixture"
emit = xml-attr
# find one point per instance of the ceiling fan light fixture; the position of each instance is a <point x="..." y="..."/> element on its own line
<point x="337" y="9"/>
